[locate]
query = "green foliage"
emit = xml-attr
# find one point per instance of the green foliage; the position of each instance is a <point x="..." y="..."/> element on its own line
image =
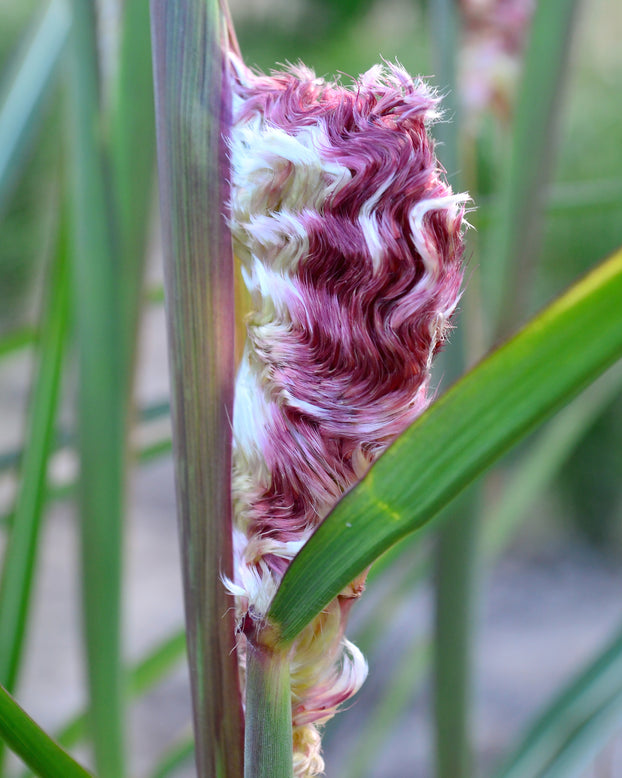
<point x="21" y="552"/>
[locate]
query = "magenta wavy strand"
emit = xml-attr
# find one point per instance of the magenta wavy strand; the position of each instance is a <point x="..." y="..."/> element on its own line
<point x="351" y="243"/>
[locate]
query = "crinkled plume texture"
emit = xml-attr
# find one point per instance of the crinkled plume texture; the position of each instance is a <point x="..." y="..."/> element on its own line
<point x="350" y="242"/>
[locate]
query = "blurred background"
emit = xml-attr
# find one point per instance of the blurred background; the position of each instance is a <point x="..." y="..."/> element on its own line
<point x="548" y="569"/>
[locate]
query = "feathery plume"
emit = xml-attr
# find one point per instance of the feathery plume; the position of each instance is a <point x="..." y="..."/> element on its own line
<point x="350" y="243"/>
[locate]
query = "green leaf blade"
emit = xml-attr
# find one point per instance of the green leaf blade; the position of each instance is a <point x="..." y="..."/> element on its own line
<point x="32" y="745"/>
<point x="20" y="556"/>
<point x="102" y="398"/>
<point x="492" y="407"/>
<point x="133" y="164"/>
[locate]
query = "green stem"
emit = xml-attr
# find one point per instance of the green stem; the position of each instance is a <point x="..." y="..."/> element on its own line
<point x="193" y="117"/>
<point x="268" y="733"/>
<point x="132" y="157"/>
<point x="457" y="538"/>
<point x="456" y="595"/>
<point x="102" y="403"/>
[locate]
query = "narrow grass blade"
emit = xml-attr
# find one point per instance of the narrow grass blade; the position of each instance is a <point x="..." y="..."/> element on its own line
<point x="543" y="459"/>
<point x="102" y="399"/>
<point x="481" y="417"/>
<point x="133" y="163"/>
<point x="26" y="90"/>
<point x="580" y="717"/>
<point x="515" y="232"/>
<point x="456" y="547"/>
<point x="534" y="470"/>
<point x="21" y="550"/>
<point x="455" y="584"/>
<point x="32" y="745"/>
<point x="192" y="112"/>
<point x="587" y="742"/>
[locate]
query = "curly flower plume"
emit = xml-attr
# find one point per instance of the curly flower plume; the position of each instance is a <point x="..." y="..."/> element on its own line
<point x="350" y="242"/>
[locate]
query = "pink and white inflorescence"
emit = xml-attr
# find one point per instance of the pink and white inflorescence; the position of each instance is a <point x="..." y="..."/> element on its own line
<point x="350" y="241"/>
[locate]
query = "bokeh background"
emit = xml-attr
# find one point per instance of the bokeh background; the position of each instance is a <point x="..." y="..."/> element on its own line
<point x="548" y="595"/>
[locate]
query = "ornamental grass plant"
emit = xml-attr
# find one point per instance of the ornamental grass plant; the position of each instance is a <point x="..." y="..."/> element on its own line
<point x="349" y="364"/>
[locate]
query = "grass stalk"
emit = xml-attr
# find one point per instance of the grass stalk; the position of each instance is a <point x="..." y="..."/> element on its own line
<point x="102" y="400"/>
<point x="268" y="733"/>
<point x="455" y="608"/>
<point x="133" y="165"/>
<point x="457" y="539"/>
<point x="192" y="114"/>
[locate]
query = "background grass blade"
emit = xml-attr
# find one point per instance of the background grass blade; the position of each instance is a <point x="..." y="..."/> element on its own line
<point x="102" y="401"/>
<point x="32" y="745"/>
<point x="491" y="408"/>
<point x="515" y="233"/>
<point x="133" y="164"/>
<point x="192" y="110"/>
<point x="576" y="723"/>
<point x="26" y="90"/>
<point x="585" y="744"/>
<point x="20" y="554"/>
<point x="542" y="461"/>
<point x="457" y="537"/>
<point x="455" y="585"/>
